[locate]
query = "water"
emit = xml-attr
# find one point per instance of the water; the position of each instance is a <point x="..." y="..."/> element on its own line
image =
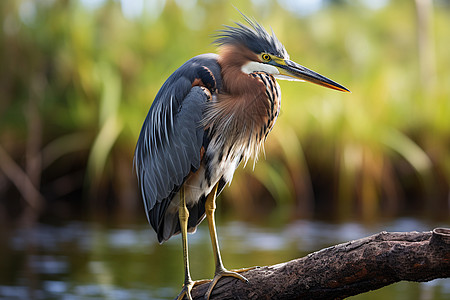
<point x="81" y="260"/>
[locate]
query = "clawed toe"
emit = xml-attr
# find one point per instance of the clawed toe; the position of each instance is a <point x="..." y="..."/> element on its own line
<point x="225" y="273"/>
<point x="187" y="288"/>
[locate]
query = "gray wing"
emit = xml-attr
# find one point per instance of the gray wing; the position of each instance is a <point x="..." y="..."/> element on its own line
<point x="171" y="138"/>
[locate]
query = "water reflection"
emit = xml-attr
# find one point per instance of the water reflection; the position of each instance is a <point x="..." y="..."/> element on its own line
<point x="91" y="261"/>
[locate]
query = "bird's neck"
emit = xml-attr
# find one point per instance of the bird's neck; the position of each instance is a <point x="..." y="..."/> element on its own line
<point x="243" y="112"/>
<point x="236" y="82"/>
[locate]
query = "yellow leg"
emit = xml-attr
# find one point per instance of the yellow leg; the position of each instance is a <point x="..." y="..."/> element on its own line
<point x="210" y="207"/>
<point x="183" y="215"/>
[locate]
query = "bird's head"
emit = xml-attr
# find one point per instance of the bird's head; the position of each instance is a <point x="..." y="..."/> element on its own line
<point x="268" y="54"/>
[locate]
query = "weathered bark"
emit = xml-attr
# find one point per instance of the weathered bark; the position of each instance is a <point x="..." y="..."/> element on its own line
<point x="344" y="270"/>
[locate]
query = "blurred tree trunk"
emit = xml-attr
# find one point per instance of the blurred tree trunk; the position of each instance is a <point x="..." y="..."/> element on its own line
<point x="33" y="166"/>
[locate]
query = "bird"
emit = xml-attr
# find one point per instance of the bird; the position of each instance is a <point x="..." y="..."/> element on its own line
<point x="212" y="114"/>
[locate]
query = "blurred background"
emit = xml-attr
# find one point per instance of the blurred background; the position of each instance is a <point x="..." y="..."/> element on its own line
<point x="77" y="78"/>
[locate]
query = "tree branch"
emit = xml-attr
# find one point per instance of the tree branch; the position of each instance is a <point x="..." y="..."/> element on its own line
<point x="344" y="270"/>
<point x="21" y="180"/>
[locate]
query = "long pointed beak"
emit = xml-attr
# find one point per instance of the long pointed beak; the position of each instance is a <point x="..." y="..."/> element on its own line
<point x="293" y="71"/>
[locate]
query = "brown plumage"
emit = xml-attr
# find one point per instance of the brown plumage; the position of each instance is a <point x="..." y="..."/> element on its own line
<point x="212" y="113"/>
<point x="243" y="112"/>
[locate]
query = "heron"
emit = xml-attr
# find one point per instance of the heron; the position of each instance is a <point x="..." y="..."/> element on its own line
<point x="212" y="114"/>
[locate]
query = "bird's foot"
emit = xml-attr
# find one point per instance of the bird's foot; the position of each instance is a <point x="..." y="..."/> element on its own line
<point x="226" y="273"/>
<point x="187" y="288"/>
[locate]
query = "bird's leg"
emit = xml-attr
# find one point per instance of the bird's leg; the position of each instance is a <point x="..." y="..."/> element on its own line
<point x="210" y="207"/>
<point x="183" y="215"/>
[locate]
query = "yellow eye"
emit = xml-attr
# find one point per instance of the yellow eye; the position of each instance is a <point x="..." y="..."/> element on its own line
<point x="266" y="57"/>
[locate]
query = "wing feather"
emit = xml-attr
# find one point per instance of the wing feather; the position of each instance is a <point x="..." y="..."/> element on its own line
<point x="171" y="137"/>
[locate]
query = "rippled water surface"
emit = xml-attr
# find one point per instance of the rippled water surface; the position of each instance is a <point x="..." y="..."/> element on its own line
<point x="80" y="260"/>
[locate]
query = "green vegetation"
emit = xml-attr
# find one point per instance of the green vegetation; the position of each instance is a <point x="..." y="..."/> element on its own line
<point x="76" y="84"/>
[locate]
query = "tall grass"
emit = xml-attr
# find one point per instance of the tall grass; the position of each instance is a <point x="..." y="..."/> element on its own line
<point x="91" y="75"/>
